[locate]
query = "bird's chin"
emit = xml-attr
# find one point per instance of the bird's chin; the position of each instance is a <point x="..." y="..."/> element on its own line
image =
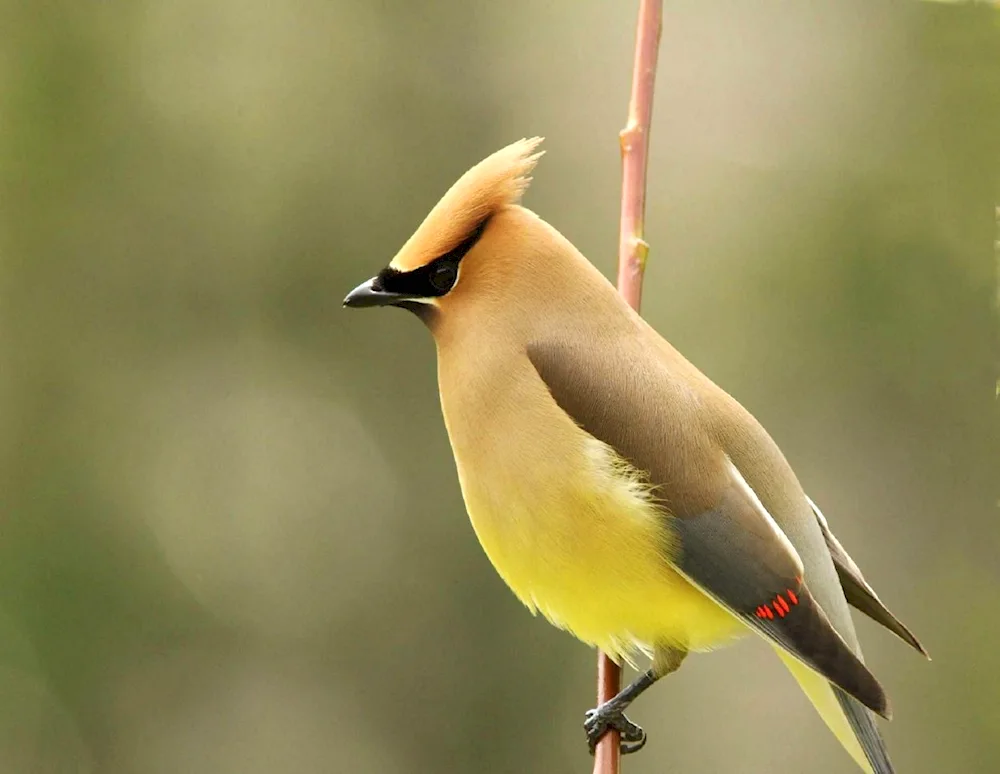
<point x="426" y="312"/>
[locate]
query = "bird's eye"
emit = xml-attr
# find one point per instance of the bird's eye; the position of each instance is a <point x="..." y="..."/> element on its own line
<point x="443" y="276"/>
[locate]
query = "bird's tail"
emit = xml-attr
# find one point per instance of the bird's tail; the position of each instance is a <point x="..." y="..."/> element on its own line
<point x="850" y="721"/>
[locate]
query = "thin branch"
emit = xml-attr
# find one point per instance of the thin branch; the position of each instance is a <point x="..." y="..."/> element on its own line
<point x="607" y="758"/>
<point x="634" y="139"/>
<point x="632" y="253"/>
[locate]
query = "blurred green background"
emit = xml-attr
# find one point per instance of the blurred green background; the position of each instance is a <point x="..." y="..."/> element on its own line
<point x="231" y="534"/>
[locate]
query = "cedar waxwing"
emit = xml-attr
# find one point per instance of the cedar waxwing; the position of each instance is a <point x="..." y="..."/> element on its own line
<point x="613" y="486"/>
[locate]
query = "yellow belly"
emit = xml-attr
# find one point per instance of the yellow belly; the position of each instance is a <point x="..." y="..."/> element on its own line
<point x="592" y="555"/>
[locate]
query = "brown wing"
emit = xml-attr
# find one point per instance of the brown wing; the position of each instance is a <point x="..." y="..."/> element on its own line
<point x="729" y="546"/>
<point x="859" y="594"/>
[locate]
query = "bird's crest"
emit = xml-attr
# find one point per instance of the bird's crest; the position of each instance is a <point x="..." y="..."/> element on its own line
<point x="495" y="182"/>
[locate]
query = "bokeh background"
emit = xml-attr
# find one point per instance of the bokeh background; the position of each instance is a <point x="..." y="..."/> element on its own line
<point x="231" y="534"/>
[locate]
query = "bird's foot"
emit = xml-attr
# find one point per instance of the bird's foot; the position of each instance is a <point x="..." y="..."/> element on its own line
<point x="607" y="717"/>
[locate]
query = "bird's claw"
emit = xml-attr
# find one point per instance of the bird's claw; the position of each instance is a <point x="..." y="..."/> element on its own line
<point x="605" y="718"/>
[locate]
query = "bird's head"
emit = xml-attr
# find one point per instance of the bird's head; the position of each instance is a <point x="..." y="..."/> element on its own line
<point x="458" y="243"/>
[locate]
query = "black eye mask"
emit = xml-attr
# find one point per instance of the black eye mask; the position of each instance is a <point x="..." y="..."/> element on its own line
<point x="432" y="279"/>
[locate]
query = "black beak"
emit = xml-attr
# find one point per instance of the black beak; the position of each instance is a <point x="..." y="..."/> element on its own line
<point x="367" y="294"/>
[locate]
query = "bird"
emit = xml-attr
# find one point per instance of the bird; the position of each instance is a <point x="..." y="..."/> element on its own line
<point x="614" y="487"/>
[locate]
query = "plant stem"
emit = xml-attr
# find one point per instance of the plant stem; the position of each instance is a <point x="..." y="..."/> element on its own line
<point x="632" y="253"/>
<point x="634" y="139"/>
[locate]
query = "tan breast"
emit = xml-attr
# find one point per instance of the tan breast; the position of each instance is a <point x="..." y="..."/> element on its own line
<point x="559" y="515"/>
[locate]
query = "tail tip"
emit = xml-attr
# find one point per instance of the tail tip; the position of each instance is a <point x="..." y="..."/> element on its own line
<point x="886" y="709"/>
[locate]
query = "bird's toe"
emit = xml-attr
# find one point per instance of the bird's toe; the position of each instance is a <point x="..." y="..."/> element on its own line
<point x="605" y="718"/>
